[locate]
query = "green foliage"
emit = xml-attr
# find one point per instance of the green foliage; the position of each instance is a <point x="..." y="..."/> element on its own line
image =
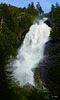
<point x="52" y="10"/>
<point x="37" y="94"/>
<point x="53" y="79"/>
<point x="39" y="9"/>
<point x="15" y="22"/>
<point x="31" y="9"/>
<point x="36" y="78"/>
<point x="17" y="92"/>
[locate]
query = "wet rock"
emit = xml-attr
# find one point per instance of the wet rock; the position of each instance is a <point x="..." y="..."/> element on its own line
<point x="50" y="22"/>
<point x="23" y="34"/>
<point x="28" y="86"/>
<point x="47" y="62"/>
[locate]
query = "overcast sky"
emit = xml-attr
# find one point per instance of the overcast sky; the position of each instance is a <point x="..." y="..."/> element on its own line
<point x="45" y="4"/>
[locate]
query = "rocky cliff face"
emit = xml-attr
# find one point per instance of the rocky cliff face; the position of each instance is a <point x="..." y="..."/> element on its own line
<point x="51" y="23"/>
<point x="48" y="61"/>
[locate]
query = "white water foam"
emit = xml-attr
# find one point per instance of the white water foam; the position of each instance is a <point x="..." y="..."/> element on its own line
<point x="31" y="52"/>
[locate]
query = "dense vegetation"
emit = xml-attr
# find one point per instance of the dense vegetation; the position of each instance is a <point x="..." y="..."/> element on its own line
<point x="53" y="81"/>
<point x="14" y="22"/>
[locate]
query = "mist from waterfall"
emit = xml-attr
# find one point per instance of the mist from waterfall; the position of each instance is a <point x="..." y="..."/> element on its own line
<point x="31" y="52"/>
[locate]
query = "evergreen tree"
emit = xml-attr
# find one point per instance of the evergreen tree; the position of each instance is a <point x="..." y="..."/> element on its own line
<point x="39" y="9"/>
<point x="36" y="78"/>
<point x="32" y="5"/>
<point x="52" y="10"/>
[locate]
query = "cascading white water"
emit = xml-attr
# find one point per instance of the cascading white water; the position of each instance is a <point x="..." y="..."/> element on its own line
<point x="31" y="52"/>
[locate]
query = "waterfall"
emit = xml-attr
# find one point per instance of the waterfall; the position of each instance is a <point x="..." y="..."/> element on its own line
<point x="31" y="52"/>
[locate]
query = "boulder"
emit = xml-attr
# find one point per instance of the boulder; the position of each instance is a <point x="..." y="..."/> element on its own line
<point x="50" y="22"/>
<point x="28" y="86"/>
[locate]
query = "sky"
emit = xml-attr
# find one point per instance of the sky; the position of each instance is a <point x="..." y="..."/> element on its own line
<point x="45" y="4"/>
